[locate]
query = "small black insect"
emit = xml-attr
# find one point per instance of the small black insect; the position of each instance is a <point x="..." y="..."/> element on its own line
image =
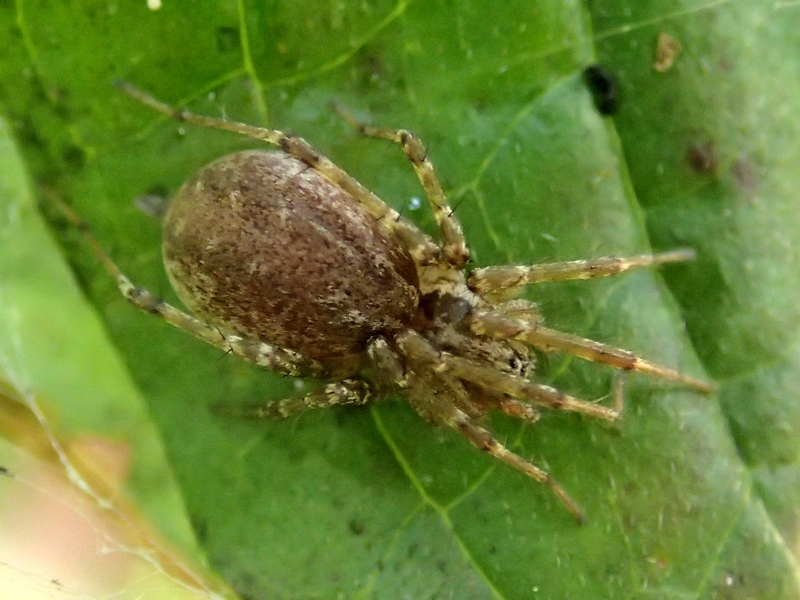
<point x="604" y="89"/>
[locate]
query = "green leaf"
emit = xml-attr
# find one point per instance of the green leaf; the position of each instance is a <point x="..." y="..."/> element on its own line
<point x="688" y="496"/>
<point x="55" y="351"/>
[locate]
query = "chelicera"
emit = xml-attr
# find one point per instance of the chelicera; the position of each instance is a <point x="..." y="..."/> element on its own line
<point x="285" y="260"/>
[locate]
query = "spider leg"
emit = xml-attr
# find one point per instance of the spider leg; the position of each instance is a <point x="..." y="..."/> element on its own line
<point x="260" y="353"/>
<point x="347" y="392"/>
<point x="485" y="322"/>
<point x="514" y="408"/>
<point x="519" y="308"/>
<point x="387" y="361"/>
<point x="521" y="388"/>
<point x="455" y="246"/>
<point x="484" y="440"/>
<point x="443" y="409"/>
<point x="501" y="277"/>
<point x="488" y="400"/>
<point x="413" y="344"/>
<point x="419" y="245"/>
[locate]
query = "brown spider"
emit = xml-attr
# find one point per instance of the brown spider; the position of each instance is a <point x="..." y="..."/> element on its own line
<point x="292" y="264"/>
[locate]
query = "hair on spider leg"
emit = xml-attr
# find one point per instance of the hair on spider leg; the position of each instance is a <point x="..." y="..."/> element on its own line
<point x="160" y="295"/>
<point x="226" y="351"/>
<point x="407" y="138"/>
<point x="455" y="207"/>
<point x="299" y="173"/>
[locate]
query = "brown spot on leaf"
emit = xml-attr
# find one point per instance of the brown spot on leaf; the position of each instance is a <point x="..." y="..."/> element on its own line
<point x="667" y="50"/>
<point x="745" y="174"/>
<point x="702" y="158"/>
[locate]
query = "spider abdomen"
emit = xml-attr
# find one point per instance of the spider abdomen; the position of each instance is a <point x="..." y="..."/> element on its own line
<point x="263" y="246"/>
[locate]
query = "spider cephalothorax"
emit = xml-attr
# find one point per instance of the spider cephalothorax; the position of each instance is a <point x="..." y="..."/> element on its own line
<point x="287" y="261"/>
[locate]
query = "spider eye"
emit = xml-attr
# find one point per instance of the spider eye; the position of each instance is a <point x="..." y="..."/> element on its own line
<point x="518" y="365"/>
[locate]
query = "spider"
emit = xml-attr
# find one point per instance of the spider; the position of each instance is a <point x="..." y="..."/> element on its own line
<point x="285" y="260"/>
